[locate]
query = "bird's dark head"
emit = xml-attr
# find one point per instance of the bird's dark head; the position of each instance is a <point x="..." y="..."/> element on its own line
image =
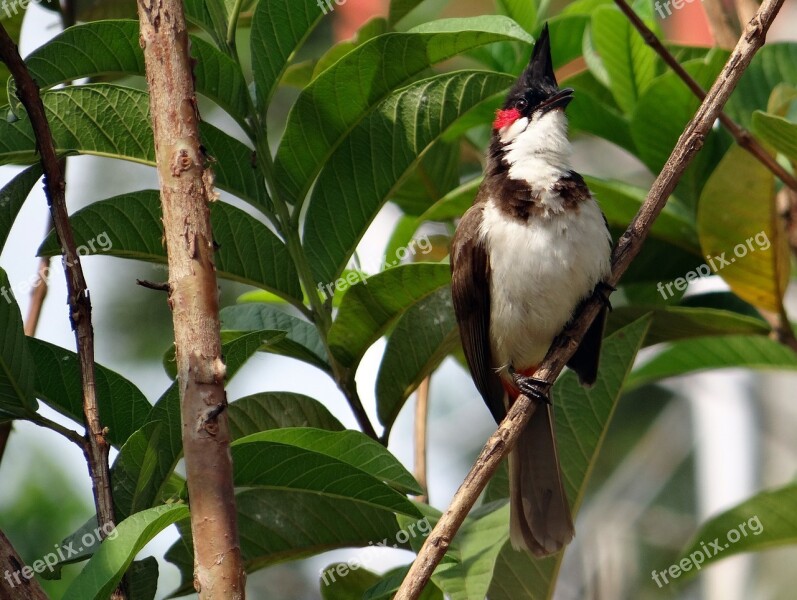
<point x="536" y="91"/>
<point x="532" y="121"/>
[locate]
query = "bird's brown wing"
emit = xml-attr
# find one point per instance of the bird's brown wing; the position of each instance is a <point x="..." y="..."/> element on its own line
<point x="470" y="292"/>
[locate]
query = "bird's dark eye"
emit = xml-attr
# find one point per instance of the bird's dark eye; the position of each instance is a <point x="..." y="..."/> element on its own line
<point x="521" y="104"/>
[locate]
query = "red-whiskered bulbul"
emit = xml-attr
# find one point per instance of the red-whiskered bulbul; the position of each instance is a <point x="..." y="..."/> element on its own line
<point x="530" y="250"/>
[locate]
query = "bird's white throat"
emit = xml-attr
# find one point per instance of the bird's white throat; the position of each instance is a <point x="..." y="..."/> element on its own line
<point x="537" y="150"/>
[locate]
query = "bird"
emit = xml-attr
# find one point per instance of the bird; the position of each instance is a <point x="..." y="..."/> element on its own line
<point x="530" y="250"/>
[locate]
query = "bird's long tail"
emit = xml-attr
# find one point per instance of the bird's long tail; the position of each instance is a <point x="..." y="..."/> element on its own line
<point x="540" y="520"/>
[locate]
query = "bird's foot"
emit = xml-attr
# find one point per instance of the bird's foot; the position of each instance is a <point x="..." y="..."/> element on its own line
<point x="603" y="290"/>
<point x="536" y="389"/>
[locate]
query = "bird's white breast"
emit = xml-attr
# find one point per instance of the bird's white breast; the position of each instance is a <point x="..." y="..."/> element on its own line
<point x="540" y="271"/>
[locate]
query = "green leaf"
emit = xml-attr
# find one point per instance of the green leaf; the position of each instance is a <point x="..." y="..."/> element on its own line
<point x="523" y="12"/>
<point x="661" y="115"/>
<point x="302" y="342"/>
<point x="701" y="354"/>
<point x="278" y="29"/>
<point x="13" y="196"/>
<point x="764" y="521"/>
<point x="369" y="308"/>
<point x="143" y="578"/>
<point x="433" y="177"/>
<point x="775" y="64"/>
<point x="341" y="581"/>
<point x="280" y="466"/>
<point x="453" y="204"/>
<point x="112" y="47"/>
<point x="17" y="370"/>
<point x="145" y="463"/>
<point x="123" y="408"/>
<point x="105" y="569"/>
<point x="360" y="175"/>
<point x="276" y="525"/>
<point x="582" y="420"/>
<point x="388" y="585"/>
<point x="478" y="543"/>
<point x="344" y="95"/>
<point x="677" y="322"/>
<point x="422" y="338"/>
<point x="351" y="447"/>
<point x="780" y="133"/>
<point x="113" y="121"/>
<point x="273" y="410"/>
<point x="738" y="223"/>
<point x="620" y="203"/>
<point x="248" y="252"/>
<point x="629" y="62"/>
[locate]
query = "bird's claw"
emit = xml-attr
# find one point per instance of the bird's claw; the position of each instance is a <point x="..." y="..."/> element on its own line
<point x="537" y="389"/>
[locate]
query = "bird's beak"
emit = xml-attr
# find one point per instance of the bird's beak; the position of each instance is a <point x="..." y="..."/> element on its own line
<point x="559" y="100"/>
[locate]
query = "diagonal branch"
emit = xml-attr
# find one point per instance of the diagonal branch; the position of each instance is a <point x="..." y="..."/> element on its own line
<point x="781" y="327"/>
<point x="627" y="248"/>
<point x="96" y="446"/>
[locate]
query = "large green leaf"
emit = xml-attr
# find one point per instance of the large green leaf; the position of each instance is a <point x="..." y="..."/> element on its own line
<point x="278" y="28"/>
<point x="13" y="196"/>
<point x="679" y="322"/>
<point x="523" y="12"/>
<point x="369" y="308"/>
<point x="282" y="466"/>
<point x="112" y="47"/>
<point x="113" y="121"/>
<point x="401" y="8"/>
<point x="276" y="525"/>
<point x="422" y="338"/>
<point x="141" y="471"/>
<point x="273" y="410"/>
<point x="123" y="408"/>
<point x="105" y="569"/>
<point x="474" y="552"/>
<point x="739" y="225"/>
<point x="661" y="115"/>
<point x="351" y="447"/>
<point x="342" y="96"/>
<point x="17" y="370"/>
<point x="302" y="340"/>
<point x="629" y="62"/>
<point x="366" y="167"/>
<point x="582" y="420"/>
<point x="766" y="520"/>
<point x="247" y="252"/>
<point x="701" y="354"/>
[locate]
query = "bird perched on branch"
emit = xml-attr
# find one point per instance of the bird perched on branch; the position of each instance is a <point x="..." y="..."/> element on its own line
<point x="530" y="250"/>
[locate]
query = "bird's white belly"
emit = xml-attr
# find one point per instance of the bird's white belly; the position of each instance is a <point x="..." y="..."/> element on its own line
<point x="540" y="272"/>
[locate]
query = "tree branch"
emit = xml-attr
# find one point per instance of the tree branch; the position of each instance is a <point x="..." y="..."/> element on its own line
<point x="625" y="251"/>
<point x="720" y="23"/>
<point x="743" y="137"/>
<point x="186" y="190"/>
<point x="96" y="446"/>
<point x="13" y="585"/>
<point x="421" y="418"/>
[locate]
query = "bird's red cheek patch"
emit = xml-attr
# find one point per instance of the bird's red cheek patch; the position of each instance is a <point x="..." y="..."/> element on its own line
<point x="504" y="118"/>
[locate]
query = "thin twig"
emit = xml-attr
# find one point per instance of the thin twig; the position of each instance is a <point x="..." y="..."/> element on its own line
<point x="153" y="285"/>
<point x="70" y="434"/>
<point x="96" y="446"/>
<point x="743" y="137"/>
<point x="421" y="418"/>
<point x="563" y="348"/>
